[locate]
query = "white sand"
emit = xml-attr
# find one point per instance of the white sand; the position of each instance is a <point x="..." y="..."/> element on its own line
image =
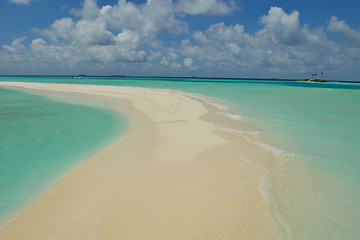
<point x="173" y="176"/>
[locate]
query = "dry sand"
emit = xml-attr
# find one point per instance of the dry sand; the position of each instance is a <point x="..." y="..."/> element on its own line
<point x="174" y="175"/>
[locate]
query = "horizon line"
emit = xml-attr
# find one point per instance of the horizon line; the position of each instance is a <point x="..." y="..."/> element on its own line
<point x="173" y="77"/>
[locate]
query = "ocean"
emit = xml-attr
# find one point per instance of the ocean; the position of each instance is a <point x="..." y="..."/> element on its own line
<point x="314" y="129"/>
<point x="41" y="139"/>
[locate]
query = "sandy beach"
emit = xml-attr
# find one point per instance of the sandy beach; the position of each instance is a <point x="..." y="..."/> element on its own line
<point x="176" y="174"/>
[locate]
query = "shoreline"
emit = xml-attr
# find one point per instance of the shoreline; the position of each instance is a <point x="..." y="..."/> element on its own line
<point x="174" y="175"/>
<point x="43" y="129"/>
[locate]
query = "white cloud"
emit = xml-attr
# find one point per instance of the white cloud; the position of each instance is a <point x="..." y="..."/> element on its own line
<point x="171" y="58"/>
<point x="61" y="28"/>
<point x="90" y="10"/>
<point x="90" y="37"/>
<point x="105" y="34"/>
<point x="164" y="61"/>
<point x="124" y="49"/>
<point x="188" y="62"/>
<point x="154" y="55"/>
<point x="24" y="2"/>
<point x="340" y="26"/>
<point x="234" y="33"/>
<point x="84" y="31"/>
<point x="281" y="42"/>
<point x="283" y="28"/>
<point x="167" y="62"/>
<point x="108" y="34"/>
<point x="126" y="36"/>
<point x="282" y="46"/>
<point x="156" y="16"/>
<point x="206" y="7"/>
<point x="16" y="45"/>
<point x="93" y="33"/>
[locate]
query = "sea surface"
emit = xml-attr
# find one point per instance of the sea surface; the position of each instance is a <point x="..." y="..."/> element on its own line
<point x="314" y="128"/>
<point x="41" y="139"/>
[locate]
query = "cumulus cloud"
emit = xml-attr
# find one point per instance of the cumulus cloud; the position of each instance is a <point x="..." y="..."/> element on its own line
<point x="93" y="33"/>
<point x="24" y="2"/>
<point x="283" y="28"/>
<point x="341" y="27"/>
<point x="86" y="42"/>
<point x="282" y="42"/>
<point x="84" y="31"/>
<point x="41" y="51"/>
<point x="16" y="45"/>
<point x="112" y="33"/>
<point x="229" y="34"/>
<point x="156" y="16"/>
<point x="61" y="28"/>
<point x="188" y="62"/>
<point x="89" y="11"/>
<point x="206" y="7"/>
<point x="171" y="58"/>
<point x="281" y="45"/>
<point x="92" y="37"/>
<point x="129" y="35"/>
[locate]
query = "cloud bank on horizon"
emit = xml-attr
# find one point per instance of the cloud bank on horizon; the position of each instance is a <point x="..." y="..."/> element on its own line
<point x="157" y="38"/>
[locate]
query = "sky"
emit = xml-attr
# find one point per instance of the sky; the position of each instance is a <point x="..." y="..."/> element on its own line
<point x="182" y="38"/>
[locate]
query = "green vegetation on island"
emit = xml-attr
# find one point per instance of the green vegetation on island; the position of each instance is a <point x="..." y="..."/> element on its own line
<point x="314" y="79"/>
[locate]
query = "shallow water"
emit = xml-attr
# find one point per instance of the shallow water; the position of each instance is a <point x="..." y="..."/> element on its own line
<point x="313" y="127"/>
<point x="41" y="139"/>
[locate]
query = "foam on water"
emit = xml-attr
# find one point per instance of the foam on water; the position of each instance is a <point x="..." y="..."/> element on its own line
<point x="249" y="161"/>
<point x="222" y="107"/>
<point x="236" y="116"/>
<point x="245" y="134"/>
<point x="276" y="150"/>
<point x="264" y="186"/>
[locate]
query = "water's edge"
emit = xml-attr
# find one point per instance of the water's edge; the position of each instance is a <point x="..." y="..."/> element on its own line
<point x="63" y="129"/>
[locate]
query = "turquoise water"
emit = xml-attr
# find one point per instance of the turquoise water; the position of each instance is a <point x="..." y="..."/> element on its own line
<point x="313" y="127"/>
<point x="41" y="139"/>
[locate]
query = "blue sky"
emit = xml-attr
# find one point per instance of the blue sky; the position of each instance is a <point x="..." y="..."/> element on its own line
<point x="213" y="38"/>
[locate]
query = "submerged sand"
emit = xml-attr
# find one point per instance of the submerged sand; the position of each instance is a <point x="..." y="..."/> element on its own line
<point x="179" y="173"/>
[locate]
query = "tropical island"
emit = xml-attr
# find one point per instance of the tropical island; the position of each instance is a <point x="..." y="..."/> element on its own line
<point x="314" y="79"/>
